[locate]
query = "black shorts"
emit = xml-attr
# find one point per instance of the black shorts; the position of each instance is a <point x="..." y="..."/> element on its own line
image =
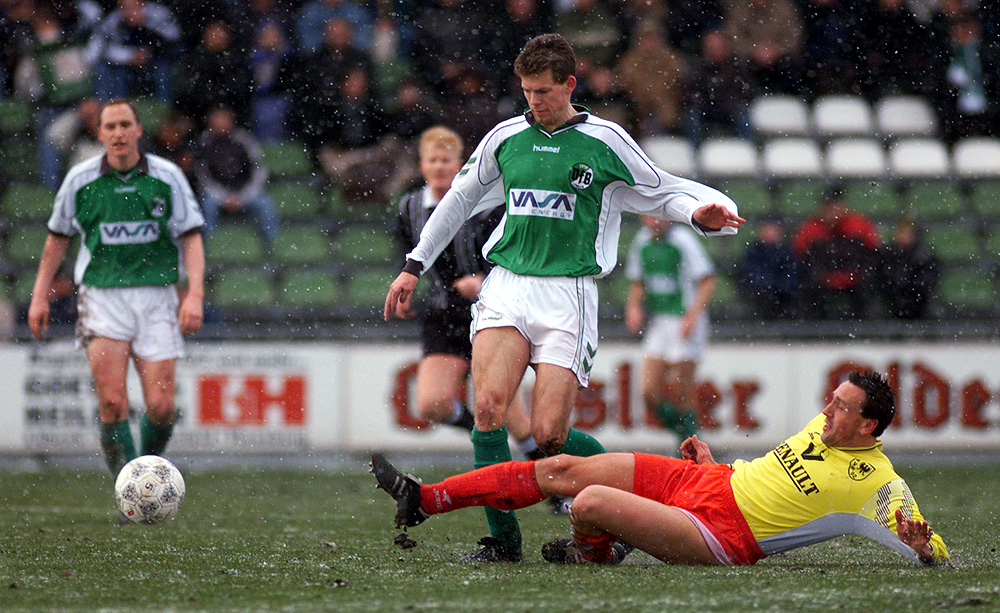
<point x="447" y="332"/>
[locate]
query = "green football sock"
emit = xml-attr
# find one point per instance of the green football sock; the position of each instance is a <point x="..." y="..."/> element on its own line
<point x="581" y="444"/>
<point x="488" y="448"/>
<point x="117" y="445"/>
<point x="153" y="438"/>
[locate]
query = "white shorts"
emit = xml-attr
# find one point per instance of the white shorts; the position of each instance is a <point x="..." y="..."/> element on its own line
<point x="145" y="316"/>
<point x="663" y="340"/>
<point x="557" y="315"/>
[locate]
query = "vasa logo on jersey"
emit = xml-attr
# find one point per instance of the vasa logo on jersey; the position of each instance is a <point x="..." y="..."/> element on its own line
<point x="129" y="232"/>
<point x="541" y="203"/>
<point x="581" y="176"/>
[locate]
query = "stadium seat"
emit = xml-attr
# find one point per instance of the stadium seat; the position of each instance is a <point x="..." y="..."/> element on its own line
<point x="242" y="289"/>
<point x="306" y="244"/>
<point x="360" y="244"/>
<point x="878" y="200"/>
<point x="15" y="116"/>
<point x="366" y="289"/>
<point x="854" y="158"/>
<point x="24" y="246"/>
<point x="234" y="244"/>
<point x="934" y="200"/>
<point x="671" y="153"/>
<point x="779" y="115"/>
<point x="986" y="199"/>
<point x="151" y="112"/>
<point x="842" y="115"/>
<point x="287" y="159"/>
<point x="296" y="200"/>
<point x="309" y="289"/>
<point x="797" y="199"/>
<point x="792" y="157"/>
<point x="953" y="243"/>
<point x="976" y="157"/>
<point x="751" y="196"/>
<point x="728" y="157"/>
<point x="23" y="286"/>
<point x="993" y="245"/>
<point x="901" y="116"/>
<point x="19" y="159"/>
<point x="919" y="158"/>
<point x="968" y="289"/>
<point x="27" y="202"/>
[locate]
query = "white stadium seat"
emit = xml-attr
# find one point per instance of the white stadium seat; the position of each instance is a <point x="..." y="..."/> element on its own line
<point x="898" y="116"/>
<point x="977" y="157"/>
<point x="919" y="158"/>
<point x="842" y="115"/>
<point x="849" y="158"/>
<point x="728" y="157"/>
<point x="779" y="115"/>
<point x="671" y="153"/>
<point x="792" y="157"/>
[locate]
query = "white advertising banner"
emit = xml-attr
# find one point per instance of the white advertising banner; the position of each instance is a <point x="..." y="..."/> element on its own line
<point x="316" y="397"/>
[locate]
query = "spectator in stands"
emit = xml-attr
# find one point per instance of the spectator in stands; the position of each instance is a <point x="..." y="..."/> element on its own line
<point x="893" y="49"/>
<point x="520" y="21"/>
<point x="719" y="90"/>
<point x="132" y="50"/>
<point x="832" y="48"/>
<point x="652" y="75"/>
<point x="272" y="81"/>
<point x="313" y="17"/>
<point x="231" y="175"/>
<point x="592" y="29"/>
<point x="768" y="274"/>
<point x="72" y="138"/>
<point x="216" y="73"/>
<point x="174" y="140"/>
<point x="908" y="272"/>
<point x="468" y="104"/>
<point x="768" y="34"/>
<point x="838" y="249"/>
<point x="598" y="89"/>
<point x="412" y="112"/>
<point x="18" y="42"/>
<point x="448" y="33"/>
<point x="960" y="87"/>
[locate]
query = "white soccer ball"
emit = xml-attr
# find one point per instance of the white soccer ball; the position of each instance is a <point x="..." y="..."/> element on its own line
<point x="149" y="490"/>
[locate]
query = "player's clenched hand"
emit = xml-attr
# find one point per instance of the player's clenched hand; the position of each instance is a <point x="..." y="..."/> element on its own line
<point x="469" y="286"/>
<point x="696" y="450"/>
<point x="401" y="291"/>
<point x="716" y="217"/>
<point x="190" y="315"/>
<point x="915" y="533"/>
<point x="38" y="316"/>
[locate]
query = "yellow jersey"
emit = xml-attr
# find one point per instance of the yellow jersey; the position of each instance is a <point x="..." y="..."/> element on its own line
<point x="804" y="492"/>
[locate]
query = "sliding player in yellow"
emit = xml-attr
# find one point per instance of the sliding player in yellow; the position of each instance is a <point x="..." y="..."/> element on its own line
<point x="829" y="480"/>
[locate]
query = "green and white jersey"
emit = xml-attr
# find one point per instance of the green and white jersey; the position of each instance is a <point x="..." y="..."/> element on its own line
<point x="564" y="194"/>
<point x="129" y="223"/>
<point x="669" y="267"/>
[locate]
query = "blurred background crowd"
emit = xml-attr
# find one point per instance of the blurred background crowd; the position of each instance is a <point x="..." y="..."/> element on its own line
<point x="295" y="121"/>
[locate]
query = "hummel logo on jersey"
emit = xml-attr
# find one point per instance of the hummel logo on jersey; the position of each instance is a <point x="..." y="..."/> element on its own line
<point x="541" y="203"/>
<point x="544" y="149"/>
<point x="129" y="232"/>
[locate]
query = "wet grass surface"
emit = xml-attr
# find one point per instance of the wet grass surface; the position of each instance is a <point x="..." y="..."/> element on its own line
<point x="266" y="540"/>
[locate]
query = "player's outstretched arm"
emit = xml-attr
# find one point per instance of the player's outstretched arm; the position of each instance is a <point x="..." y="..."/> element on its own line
<point x="400" y="295"/>
<point x="53" y="253"/>
<point x="917" y="534"/>
<point x="716" y="217"/>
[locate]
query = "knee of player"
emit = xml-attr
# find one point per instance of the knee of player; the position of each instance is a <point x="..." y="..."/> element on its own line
<point x="435" y="409"/>
<point x="115" y="403"/>
<point x="490" y="402"/>
<point x="549" y="437"/>
<point x="160" y="411"/>
<point x="557" y="475"/>
<point x="589" y="502"/>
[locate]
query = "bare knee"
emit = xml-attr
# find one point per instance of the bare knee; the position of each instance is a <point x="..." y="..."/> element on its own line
<point x="549" y="437"/>
<point x="113" y="407"/>
<point x="491" y="408"/>
<point x="560" y="475"/>
<point x="589" y="503"/>
<point x="160" y="411"/>
<point x="435" y="409"/>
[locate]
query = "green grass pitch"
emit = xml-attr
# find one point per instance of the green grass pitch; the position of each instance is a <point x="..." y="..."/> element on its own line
<point x="266" y="540"/>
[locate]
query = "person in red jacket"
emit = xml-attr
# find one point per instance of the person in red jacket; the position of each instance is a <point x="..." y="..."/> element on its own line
<point x="838" y="249"/>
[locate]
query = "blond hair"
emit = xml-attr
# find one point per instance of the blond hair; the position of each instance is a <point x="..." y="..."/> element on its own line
<point x="440" y="137"/>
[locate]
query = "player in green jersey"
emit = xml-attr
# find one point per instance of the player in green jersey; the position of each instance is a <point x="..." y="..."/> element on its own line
<point x="140" y="229"/>
<point x="565" y="177"/>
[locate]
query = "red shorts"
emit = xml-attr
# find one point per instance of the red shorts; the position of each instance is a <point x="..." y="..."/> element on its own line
<point x="704" y="491"/>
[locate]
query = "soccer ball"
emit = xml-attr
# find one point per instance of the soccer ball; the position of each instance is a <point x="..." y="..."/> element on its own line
<point x="149" y="490"/>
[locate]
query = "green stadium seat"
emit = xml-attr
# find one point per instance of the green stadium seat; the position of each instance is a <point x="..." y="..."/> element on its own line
<point x="366" y="244"/>
<point x="287" y="159"/>
<point x="935" y="200"/>
<point x="879" y="201"/>
<point x="301" y="245"/>
<point x="242" y="289"/>
<point x="799" y="199"/>
<point x="15" y="117"/>
<point x="366" y="289"/>
<point x="151" y="112"/>
<point x="27" y="202"/>
<point x="296" y="200"/>
<point x="953" y="243"/>
<point x="986" y="199"/>
<point x="310" y="289"/>
<point x="23" y="285"/>
<point x="993" y="245"/>
<point x="24" y="246"/>
<point x="234" y="244"/>
<point x="752" y="198"/>
<point x="19" y="159"/>
<point x="969" y="289"/>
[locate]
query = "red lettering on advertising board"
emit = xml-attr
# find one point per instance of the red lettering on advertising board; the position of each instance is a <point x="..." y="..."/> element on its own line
<point x="743" y="391"/>
<point x="591" y="409"/>
<point x="252" y="400"/>
<point x="974" y="397"/>
<point x="706" y="399"/>
<point x="929" y="384"/>
<point x="401" y="399"/>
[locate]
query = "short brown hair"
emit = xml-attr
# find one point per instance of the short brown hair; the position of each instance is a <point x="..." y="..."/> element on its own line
<point x="116" y="102"/>
<point x="880" y="401"/>
<point x="546" y="52"/>
<point x="439" y="136"/>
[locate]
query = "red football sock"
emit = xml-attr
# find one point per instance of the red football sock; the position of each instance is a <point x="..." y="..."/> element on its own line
<point x="596" y="549"/>
<point x="505" y="486"/>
